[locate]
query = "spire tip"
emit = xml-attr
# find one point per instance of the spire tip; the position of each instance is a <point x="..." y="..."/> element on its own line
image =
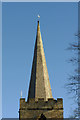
<point x="38" y="18"/>
<point x="38" y="21"/>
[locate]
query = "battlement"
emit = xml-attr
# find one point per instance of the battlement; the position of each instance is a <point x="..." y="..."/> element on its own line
<point x="60" y="100"/>
<point x="22" y="100"/>
<point x="41" y="104"/>
<point x="31" y="107"/>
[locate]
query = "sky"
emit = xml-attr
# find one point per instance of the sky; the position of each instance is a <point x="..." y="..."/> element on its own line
<point x="58" y="25"/>
<point x="0" y="60"/>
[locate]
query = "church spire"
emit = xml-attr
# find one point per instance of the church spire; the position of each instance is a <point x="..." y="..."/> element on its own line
<point x="39" y="83"/>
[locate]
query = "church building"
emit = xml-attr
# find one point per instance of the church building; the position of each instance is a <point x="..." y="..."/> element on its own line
<point x="40" y="103"/>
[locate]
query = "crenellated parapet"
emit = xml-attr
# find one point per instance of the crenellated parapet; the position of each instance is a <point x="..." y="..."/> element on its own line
<point x="33" y="109"/>
<point x="41" y="106"/>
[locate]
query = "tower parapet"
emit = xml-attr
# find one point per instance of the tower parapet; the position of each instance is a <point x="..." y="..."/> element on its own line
<point x="35" y="108"/>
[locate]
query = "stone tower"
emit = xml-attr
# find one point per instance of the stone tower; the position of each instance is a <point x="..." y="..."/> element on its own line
<point x="40" y="102"/>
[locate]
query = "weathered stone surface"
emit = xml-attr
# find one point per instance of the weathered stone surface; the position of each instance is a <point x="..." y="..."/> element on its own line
<point x="50" y="109"/>
<point x="39" y="83"/>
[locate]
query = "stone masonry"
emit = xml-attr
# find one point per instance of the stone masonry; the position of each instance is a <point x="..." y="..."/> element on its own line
<point x="33" y="109"/>
<point x="39" y="83"/>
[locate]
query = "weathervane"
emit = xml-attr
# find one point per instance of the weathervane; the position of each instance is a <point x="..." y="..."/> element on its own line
<point x="38" y="16"/>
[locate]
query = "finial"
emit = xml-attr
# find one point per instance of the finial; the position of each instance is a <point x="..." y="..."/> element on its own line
<point x="38" y="17"/>
<point x="21" y="93"/>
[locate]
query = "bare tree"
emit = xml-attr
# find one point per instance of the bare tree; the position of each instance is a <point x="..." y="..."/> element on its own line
<point x="73" y="85"/>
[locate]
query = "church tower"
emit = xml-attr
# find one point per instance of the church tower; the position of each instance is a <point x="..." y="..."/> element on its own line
<point x="40" y="103"/>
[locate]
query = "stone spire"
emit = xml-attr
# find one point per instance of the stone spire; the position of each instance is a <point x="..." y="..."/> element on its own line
<point x="39" y="83"/>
